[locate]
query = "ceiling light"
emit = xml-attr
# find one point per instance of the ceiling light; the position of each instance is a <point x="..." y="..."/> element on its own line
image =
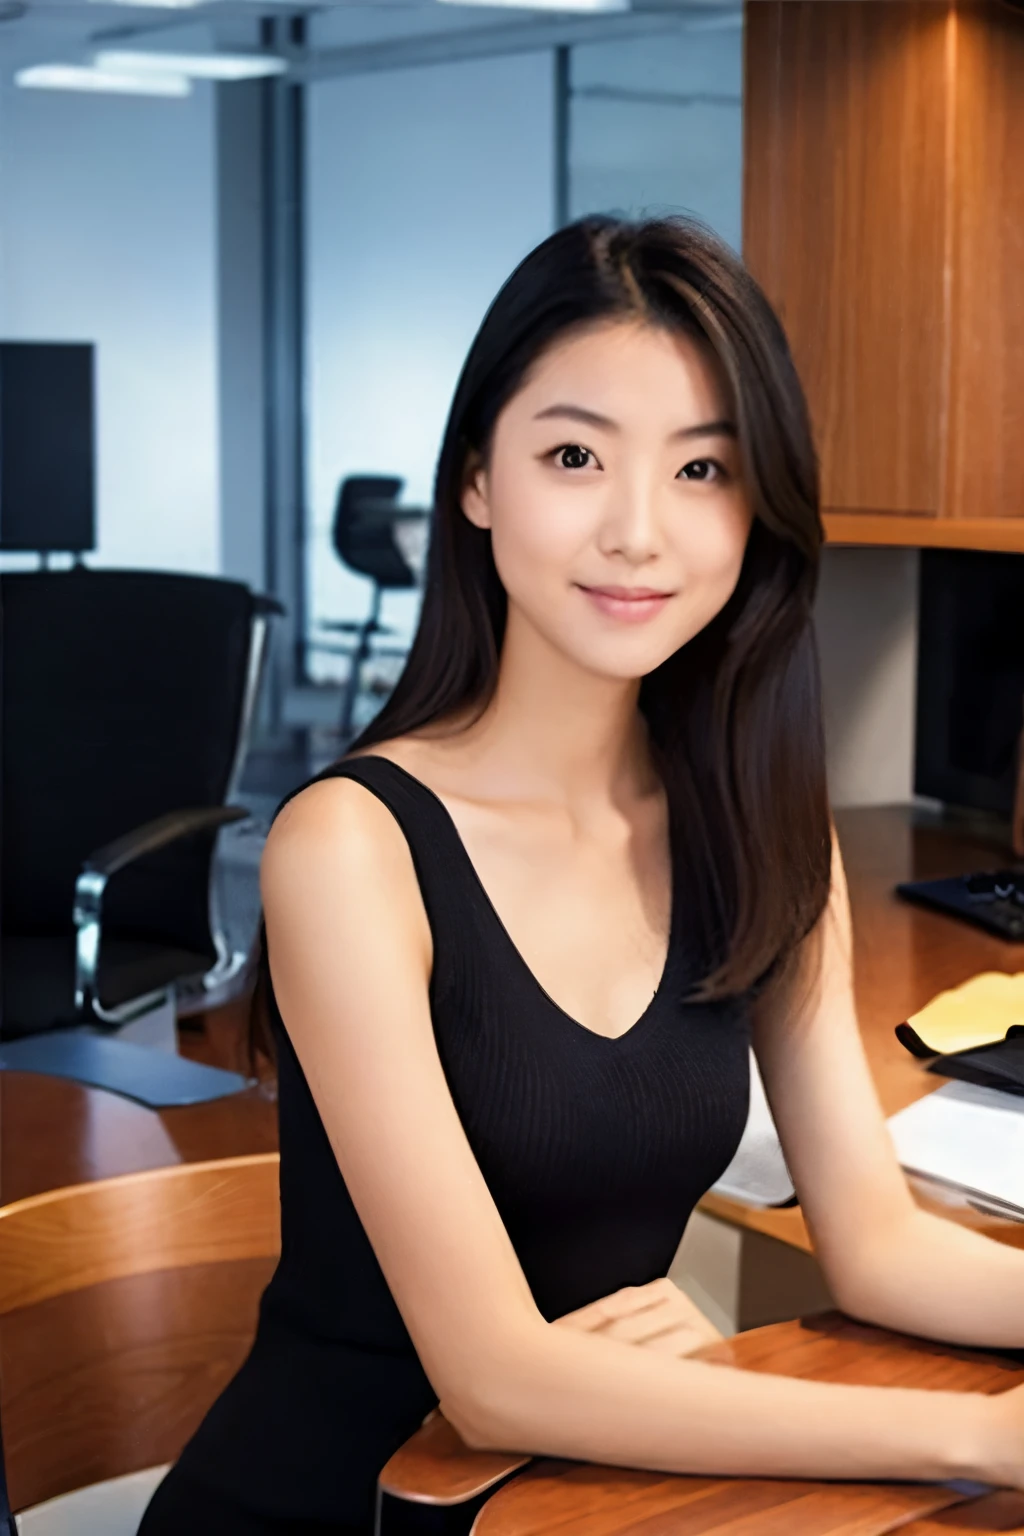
<point x="198" y="66"/>
<point x="551" y="5"/>
<point x="164" y="5"/>
<point x="79" y="77"/>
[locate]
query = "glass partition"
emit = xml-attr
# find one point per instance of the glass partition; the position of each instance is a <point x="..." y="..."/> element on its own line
<point x="424" y="187"/>
<point x="655" y="125"/>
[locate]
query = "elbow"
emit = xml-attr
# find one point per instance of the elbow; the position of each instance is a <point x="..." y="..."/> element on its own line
<point x="472" y="1426"/>
<point x="496" y="1399"/>
<point x="867" y="1288"/>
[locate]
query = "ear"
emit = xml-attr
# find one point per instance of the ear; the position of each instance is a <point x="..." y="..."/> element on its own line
<point x="475" y="493"/>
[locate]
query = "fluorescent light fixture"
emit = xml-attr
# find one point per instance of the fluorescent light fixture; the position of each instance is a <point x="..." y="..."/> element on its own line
<point x="550" y="5"/>
<point x="79" y="77"/>
<point x="163" y="5"/>
<point x="197" y="66"/>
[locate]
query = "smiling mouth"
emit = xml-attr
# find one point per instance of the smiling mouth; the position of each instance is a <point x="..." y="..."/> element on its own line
<point x="625" y="594"/>
<point x="626" y="605"/>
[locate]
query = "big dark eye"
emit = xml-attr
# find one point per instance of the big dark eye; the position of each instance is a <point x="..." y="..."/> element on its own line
<point x="572" y="456"/>
<point x="702" y="469"/>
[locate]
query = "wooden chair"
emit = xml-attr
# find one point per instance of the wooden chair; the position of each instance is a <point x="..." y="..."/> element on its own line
<point x="513" y="1496"/>
<point x="125" y="1306"/>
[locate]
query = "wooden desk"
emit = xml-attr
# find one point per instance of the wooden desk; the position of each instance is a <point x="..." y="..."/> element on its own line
<point x="903" y="956"/>
<point x="54" y="1132"/>
<point x="576" y="1499"/>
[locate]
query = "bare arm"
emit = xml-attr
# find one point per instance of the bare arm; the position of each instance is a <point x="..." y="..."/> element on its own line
<point x="886" y="1260"/>
<point x="350" y="955"/>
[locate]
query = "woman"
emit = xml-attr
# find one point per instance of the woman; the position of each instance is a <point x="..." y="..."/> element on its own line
<point x="521" y="937"/>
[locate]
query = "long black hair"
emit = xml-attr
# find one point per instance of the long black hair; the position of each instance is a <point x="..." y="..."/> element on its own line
<point x="734" y="716"/>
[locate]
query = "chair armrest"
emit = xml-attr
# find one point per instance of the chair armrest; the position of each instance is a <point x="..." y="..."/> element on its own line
<point x="435" y="1466"/>
<point x="264" y="605"/>
<point x="158" y="833"/>
<point x="106" y="861"/>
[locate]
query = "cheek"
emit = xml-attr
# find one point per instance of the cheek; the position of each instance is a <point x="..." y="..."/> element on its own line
<point x="712" y="544"/>
<point x="533" y="537"/>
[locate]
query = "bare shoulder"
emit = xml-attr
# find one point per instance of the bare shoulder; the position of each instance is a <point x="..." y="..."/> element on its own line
<point x="337" y="842"/>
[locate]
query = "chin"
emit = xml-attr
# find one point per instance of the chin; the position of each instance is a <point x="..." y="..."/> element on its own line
<point x="619" y="662"/>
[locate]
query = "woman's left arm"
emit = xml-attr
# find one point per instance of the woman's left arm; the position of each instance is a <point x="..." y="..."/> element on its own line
<point x="886" y="1260"/>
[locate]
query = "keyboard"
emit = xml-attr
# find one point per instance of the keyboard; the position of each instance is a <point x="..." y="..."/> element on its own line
<point x="991" y="899"/>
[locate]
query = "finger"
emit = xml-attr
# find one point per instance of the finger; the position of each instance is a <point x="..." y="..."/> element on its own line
<point x="620" y="1304"/>
<point x="679" y="1343"/>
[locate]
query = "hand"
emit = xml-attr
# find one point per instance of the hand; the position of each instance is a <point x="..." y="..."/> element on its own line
<point x="656" y="1316"/>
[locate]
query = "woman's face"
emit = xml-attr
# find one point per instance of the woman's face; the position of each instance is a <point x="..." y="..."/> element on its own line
<point x="615" y="470"/>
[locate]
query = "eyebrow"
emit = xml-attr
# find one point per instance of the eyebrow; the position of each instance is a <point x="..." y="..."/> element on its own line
<point x="721" y="428"/>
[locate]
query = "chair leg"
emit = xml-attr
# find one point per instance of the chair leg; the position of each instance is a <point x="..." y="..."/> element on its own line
<point x="7" y="1526"/>
<point x="362" y="651"/>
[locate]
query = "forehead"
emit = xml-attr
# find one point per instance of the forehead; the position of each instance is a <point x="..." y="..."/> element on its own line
<point x="618" y="367"/>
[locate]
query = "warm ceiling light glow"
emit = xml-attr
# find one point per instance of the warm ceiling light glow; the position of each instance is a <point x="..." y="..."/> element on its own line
<point x="79" y="77"/>
<point x="550" y="5"/>
<point x="198" y="66"/>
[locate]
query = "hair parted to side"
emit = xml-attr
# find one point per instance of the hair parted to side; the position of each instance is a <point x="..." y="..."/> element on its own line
<point x="734" y="716"/>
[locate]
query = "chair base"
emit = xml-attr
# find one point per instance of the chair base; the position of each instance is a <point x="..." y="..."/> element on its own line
<point x="113" y="1508"/>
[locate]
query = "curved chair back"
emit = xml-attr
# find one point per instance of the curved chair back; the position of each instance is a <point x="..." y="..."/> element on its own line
<point x="364" y="529"/>
<point x="125" y="1307"/>
<point x="126" y="695"/>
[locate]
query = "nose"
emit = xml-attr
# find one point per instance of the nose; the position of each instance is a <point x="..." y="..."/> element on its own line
<point x="630" y="523"/>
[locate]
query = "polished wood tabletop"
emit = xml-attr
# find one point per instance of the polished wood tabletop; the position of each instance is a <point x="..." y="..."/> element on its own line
<point x="54" y="1132"/>
<point x="579" y="1499"/>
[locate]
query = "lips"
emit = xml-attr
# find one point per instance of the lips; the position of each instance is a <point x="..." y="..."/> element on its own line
<point x="628" y="594"/>
<point x="631" y="605"/>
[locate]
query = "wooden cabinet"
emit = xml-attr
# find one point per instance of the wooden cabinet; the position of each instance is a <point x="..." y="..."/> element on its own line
<point x="884" y="215"/>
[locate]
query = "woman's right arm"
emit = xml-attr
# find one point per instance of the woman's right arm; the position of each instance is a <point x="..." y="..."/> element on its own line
<point x="350" y="953"/>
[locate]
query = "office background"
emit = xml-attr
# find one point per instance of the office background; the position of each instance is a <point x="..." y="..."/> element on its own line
<point x="420" y="164"/>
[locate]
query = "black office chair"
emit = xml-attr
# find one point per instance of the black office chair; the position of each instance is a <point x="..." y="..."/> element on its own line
<point x="126" y="702"/>
<point x="366" y="517"/>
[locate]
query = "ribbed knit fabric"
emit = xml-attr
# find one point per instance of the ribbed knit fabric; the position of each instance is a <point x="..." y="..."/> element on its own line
<point x="595" y="1151"/>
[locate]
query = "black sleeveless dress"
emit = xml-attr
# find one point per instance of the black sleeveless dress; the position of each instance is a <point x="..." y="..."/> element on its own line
<point x="595" y="1151"/>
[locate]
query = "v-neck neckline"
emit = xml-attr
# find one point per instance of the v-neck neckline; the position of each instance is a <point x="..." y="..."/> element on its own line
<point x="496" y="917"/>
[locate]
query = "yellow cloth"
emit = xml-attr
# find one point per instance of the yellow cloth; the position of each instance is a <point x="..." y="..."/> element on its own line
<point x="976" y="1013"/>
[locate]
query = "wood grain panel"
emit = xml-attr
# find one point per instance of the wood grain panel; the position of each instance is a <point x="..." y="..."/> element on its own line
<point x="986" y="442"/>
<point x="194" y="1213"/>
<point x="437" y="1467"/>
<point x="582" y="1500"/>
<point x="54" y="1132"/>
<point x="116" y="1377"/>
<point x="995" y="533"/>
<point x="1002" y="1511"/>
<point x="832" y="1347"/>
<point x="845" y="113"/>
<point x="590" y="1501"/>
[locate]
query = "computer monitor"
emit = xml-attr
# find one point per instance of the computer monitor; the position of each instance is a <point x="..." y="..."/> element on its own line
<point x="970" y="678"/>
<point x="47" y="446"/>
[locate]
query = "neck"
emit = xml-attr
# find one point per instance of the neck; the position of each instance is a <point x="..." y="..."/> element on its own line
<point x="556" y="731"/>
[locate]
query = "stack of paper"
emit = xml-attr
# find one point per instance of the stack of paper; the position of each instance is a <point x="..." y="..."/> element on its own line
<point x="969" y="1139"/>
<point x="757" y="1174"/>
